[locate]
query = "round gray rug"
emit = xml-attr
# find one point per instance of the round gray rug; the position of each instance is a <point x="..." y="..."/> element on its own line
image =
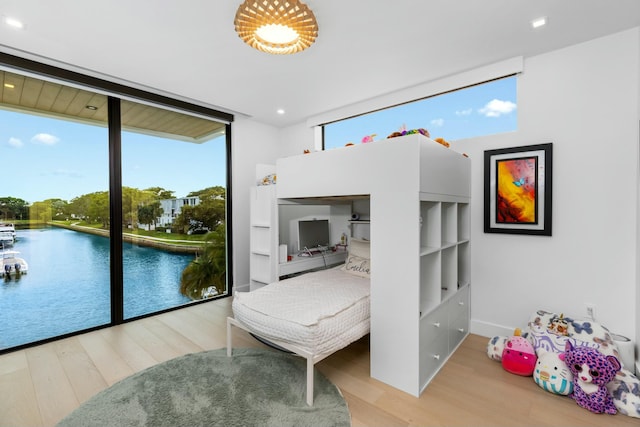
<point x="255" y="387"/>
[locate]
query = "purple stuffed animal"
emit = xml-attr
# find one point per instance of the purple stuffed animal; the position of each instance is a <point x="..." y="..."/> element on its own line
<point x="592" y="371"/>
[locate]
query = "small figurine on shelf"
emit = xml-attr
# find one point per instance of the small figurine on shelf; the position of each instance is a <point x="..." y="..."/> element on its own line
<point x="403" y="131"/>
<point x="442" y="141"/>
<point x="368" y="138"/>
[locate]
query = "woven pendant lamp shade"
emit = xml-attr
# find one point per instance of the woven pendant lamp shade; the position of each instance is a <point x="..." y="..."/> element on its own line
<point x="291" y="17"/>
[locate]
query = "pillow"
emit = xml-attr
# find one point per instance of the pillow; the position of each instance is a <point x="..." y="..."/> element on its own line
<point x="358" y="266"/>
<point x="546" y="341"/>
<point x="584" y="333"/>
<point x="360" y="248"/>
<point x="358" y="260"/>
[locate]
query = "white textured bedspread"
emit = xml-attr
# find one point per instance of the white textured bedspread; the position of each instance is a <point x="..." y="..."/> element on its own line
<point x="320" y="312"/>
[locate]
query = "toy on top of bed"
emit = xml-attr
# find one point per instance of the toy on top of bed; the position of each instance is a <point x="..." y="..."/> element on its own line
<point x="312" y="315"/>
<point x="578" y="358"/>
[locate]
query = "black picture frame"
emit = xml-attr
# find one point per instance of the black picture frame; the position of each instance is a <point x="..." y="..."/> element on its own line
<point x="518" y="189"/>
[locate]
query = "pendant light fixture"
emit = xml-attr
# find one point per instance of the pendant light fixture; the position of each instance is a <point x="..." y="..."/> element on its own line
<point x="276" y="26"/>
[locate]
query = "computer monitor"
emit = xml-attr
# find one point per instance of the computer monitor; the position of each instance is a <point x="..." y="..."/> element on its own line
<point x="313" y="234"/>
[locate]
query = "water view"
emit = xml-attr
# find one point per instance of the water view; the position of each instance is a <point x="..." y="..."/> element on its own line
<point x="67" y="285"/>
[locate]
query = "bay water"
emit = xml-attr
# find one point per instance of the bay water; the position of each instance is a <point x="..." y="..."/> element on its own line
<point x="67" y="287"/>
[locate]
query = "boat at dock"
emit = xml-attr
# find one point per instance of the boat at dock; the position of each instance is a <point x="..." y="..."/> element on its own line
<point x="12" y="264"/>
<point x="7" y="234"/>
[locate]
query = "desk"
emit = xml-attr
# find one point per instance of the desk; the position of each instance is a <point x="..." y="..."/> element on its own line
<point x="304" y="263"/>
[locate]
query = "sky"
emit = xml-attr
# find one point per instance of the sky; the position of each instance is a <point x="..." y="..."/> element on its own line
<point x="44" y="158"/>
<point x="479" y="110"/>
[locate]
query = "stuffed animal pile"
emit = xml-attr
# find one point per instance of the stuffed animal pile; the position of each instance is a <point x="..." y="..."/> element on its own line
<point x="572" y="358"/>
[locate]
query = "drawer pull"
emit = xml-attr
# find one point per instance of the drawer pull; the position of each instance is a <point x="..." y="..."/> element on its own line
<point x="460" y="302"/>
<point x="436" y="356"/>
<point x="436" y="324"/>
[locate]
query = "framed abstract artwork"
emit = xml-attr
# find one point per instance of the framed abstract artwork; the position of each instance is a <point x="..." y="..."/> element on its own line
<point x="517" y="190"/>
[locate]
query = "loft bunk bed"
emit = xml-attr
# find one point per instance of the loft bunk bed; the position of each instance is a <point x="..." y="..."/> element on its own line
<point x="397" y="175"/>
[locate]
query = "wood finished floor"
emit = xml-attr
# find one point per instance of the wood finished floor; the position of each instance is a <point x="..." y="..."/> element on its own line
<point x="40" y="385"/>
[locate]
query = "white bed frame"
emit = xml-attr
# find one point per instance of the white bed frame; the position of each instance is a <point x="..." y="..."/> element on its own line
<point x="311" y="358"/>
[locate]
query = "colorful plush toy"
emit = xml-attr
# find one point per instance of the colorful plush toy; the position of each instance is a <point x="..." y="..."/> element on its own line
<point x="552" y="374"/>
<point x="559" y="325"/>
<point x="368" y="138"/>
<point x="518" y="356"/>
<point x="592" y="371"/>
<point x="442" y="142"/>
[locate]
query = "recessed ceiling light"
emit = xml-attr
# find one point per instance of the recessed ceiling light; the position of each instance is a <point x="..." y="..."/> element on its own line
<point x="91" y="107"/>
<point x="539" y="22"/>
<point x="13" y="22"/>
<point x="9" y="85"/>
<point x="280" y="111"/>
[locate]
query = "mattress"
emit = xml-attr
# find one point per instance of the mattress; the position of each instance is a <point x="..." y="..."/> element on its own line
<point x="320" y="312"/>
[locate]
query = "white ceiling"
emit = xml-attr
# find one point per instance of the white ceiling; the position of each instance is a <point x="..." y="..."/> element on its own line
<point x="365" y="48"/>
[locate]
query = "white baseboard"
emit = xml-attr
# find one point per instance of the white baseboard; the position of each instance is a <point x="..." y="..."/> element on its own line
<point x="241" y="288"/>
<point x="487" y="329"/>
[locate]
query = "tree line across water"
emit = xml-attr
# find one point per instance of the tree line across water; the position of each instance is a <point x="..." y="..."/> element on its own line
<point x="138" y="207"/>
<point x="143" y="207"/>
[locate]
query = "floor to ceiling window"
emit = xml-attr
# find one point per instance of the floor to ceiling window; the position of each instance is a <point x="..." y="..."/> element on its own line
<point x="173" y="177"/>
<point x="80" y="164"/>
<point x="55" y="171"/>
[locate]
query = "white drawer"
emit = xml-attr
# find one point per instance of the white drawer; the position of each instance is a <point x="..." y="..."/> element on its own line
<point x="432" y="356"/>
<point x="433" y="325"/>
<point x="458" y="330"/>
<point x="459" y="304"/>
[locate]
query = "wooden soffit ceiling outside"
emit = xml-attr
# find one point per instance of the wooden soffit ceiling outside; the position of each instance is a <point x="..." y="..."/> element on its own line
<point x="32" y="95"/>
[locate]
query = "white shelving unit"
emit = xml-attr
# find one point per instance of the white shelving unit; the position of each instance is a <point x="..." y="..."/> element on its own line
<point x="444" y="281"/>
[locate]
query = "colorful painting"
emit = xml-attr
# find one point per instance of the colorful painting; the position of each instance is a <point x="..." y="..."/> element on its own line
<point x="516" y="200"/>
<point x="518" y="190"/>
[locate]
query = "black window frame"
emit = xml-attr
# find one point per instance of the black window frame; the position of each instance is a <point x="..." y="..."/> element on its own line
<point x="117" y="92"/>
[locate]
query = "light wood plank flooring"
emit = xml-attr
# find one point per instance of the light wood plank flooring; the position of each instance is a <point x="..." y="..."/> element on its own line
<point x="40" y="385"/>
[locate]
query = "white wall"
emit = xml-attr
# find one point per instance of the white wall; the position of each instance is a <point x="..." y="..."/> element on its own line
<point x="576" y="99"/>
<point x="584" y="99"/>
<point x="295" y="139"/>
<point x="251" y="143"/>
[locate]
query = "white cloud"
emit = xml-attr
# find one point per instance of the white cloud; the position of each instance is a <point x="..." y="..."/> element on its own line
<point x="45" y="138"/>
<point x="15" y="142"/>
<point x="496" y="108"/>
<point x="62" y="172"/>
<point x="437" y="122"/>
<point x="466" y="112"/>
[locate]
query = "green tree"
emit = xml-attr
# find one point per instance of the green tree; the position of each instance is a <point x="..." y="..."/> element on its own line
<point x="98" y="209"/>
<point x="132" y="199"/>
<point x="49" y="209"/>
<point x="59" y="208"/>
<point x="209" y="213"/>
<point x="41" y="212"/>
<point x="149" y="213"/>
<point x="160" y="193"/>
<point x="210" y="192"/>
<point x="13" y="208"/>
<point x="208" y="269"/>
